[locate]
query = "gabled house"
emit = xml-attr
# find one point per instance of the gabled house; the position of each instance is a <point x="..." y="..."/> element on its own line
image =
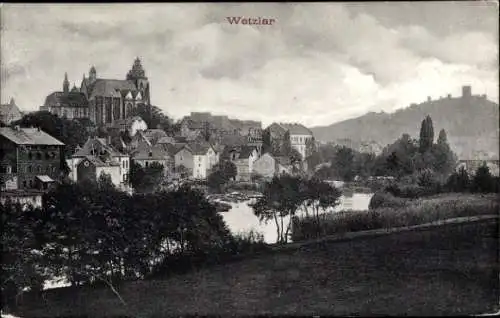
<point x="243" y="158"/>
<point x="95" y="158"/>
<point x="204" y="159"/>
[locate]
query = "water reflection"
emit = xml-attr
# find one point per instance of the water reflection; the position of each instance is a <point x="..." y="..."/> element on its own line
<point x="241" y="218"/>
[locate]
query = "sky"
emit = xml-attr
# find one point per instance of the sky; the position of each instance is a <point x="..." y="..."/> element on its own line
<point x="319" y="63"/>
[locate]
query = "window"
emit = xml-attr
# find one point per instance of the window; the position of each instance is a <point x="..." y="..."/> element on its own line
<point x="147" y="163"/>
<point x="124" y="163"/>
<point x="30" y="155"/>
<point x="30" y="170"/>
<point x="151" y="154"/>
<point x="31" y="183"/>
<point x="24" y="184"/>
<point x="39" y="169"/>
<point x="38" y="156"/>
<point x="47" y="156"/>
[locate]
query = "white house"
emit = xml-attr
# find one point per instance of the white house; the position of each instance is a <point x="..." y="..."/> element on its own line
<point x="204" y="158"/>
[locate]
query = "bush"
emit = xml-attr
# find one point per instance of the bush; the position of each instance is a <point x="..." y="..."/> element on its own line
<point x="237" y="247"/>
<point x="384" y="199"/>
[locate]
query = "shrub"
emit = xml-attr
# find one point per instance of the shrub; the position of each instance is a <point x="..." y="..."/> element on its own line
<point x="384" y="199"/>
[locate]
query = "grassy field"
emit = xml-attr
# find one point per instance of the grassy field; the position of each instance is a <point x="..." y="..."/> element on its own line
<point x="397" y="212"/>
<point x="448" y="270"/>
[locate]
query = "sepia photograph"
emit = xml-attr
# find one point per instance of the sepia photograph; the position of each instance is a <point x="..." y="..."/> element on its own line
<point x="249" y="159"/>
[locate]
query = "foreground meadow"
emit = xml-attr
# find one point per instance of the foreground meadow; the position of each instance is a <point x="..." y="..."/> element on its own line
<point x="446" y="270"/>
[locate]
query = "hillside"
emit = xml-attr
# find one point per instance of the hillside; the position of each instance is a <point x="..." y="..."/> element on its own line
<point x="471" y="123"/>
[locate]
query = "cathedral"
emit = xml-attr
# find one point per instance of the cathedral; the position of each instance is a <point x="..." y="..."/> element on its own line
<point x="103" y="101"/>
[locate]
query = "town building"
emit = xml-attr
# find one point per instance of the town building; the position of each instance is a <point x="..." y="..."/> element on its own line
<point x="268" y="166"/>
<point x="10" y="112"/>
<point x="160" y="154"/>
<point x="300" y="137"/>
<point x="204" y="159"/>
<point x="29" y="159"/>
<point x="243" y="158"/>
<point x="217" y="127"/>
<point x="96" y="158"/>
<point x="104" y="101"/>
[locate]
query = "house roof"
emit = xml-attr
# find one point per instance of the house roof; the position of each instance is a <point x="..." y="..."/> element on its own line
<point x="154" y="134"/>
<point x="29" y="136"/>
<point x="97" y="145"/>
<point x="246" y="151"/>
<point x="234" y="140"/>
<point x="199" y="148"/>
<point x="72" y="99"/>
<point x="157" y="152"/>
<point x="296" y="128"/>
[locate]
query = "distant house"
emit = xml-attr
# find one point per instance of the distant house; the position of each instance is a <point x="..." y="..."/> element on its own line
<point x="300" y="136"/>
<point x="204" y="159"/>
<point x="29" y="158"/>
<point x="68" y="103"/>
<point x="160" y="153"/>
<point x="10" y="112"/>
<point x="243" y="158"/>
<point x="184" y="157"/>
<point x="96" y="158"/>
<point x="269" y="166"/>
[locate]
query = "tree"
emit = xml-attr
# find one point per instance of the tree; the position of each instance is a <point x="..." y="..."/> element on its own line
<point x="458" y="181"/>
<point x="223" y="172"/>
<point x="228" y="169"/>
<point x="483" y="181"/>
<point x="20" y="265"/>
<point x="343" y="163"/>
<point x="281" y="198"/>
<point x="426" y="134"/>
<point x="145" y="179"/>
<point x="444" y="158"/>
<point x="71" y="132"/>
<point x="154" y="118"/>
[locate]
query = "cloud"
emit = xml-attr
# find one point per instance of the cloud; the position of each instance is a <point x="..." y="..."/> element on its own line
<point x="319" y="63"/>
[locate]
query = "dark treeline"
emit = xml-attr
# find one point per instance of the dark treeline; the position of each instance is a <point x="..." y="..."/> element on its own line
<point x="406" y="160"/>
<point x="91" y="233"/>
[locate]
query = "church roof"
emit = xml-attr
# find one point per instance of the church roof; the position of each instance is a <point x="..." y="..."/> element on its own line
<point x="72" y="99"/>
<point x="110" y="87"/>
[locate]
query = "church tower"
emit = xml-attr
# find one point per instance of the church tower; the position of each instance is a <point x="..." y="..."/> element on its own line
<point x="138" y="76"/>
<point x="65" y="84"/>
<point x="92" y="74"/>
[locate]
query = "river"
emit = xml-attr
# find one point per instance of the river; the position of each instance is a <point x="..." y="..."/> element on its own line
<point x="241" y="219"/>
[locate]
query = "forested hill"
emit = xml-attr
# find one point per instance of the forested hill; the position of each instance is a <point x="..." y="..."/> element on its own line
<point x="471" y="123"/>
